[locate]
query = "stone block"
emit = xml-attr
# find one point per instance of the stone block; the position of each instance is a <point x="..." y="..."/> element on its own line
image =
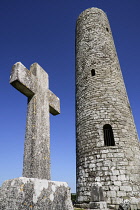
<point x="115" y="172"/>
<point x="97" y="194"/>
<point x="114" y="188"/>
<point x="126" y="188"/>
<point x="111" y="193"/>
<point x="117" y="183"/>
<point x="116" y="200"/>
<point x="98" y="205"/>
<point x="121" y="193"/>
<point x="122" y="172"/>
<point x="105" y="168"/>
<point x="32" y="193"/>
<point x="121" y="177"/>
<point x="135" y="188"/>
<point x="113" y="178"/>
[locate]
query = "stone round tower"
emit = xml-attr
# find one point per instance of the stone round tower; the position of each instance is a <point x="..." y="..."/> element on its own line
<point x="108" y="162"/>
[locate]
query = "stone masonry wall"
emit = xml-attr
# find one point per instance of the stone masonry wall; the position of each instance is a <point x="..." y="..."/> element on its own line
<point x="101" y="99"/>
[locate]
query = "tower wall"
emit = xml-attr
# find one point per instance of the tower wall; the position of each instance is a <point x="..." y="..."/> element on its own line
<point x="101" y="99"/>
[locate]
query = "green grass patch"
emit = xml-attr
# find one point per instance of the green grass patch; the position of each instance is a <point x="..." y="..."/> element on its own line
<point x="78" y="209"/>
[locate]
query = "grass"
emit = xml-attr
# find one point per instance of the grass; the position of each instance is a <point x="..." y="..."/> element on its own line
<point x="78" y="209"/>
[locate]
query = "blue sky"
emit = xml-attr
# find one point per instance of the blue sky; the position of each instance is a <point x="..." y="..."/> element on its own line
<point x="43" y="31"/>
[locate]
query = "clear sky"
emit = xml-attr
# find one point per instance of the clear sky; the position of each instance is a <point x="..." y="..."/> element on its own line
<point x="43" y="31"/>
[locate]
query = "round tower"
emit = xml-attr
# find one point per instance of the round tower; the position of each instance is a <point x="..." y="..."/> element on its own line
<point x="107" y="143"/>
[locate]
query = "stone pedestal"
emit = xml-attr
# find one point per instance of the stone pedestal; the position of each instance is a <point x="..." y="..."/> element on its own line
<point x="32" y="193"/>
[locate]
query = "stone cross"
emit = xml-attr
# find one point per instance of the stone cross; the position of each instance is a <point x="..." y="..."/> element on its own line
<point x="41" y="102"/>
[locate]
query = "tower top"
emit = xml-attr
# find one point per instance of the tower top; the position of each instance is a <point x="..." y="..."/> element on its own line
<point x="91" y="10"/>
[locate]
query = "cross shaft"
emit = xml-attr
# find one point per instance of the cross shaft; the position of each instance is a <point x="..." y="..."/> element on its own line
<point x="41" y="102"/>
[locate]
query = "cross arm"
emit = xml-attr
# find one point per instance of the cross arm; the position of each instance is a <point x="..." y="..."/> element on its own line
<point x="54" y="103"/>
<point x="22" y="79"/>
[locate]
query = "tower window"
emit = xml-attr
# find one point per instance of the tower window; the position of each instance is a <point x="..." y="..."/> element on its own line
<point x="108" y="135"/>
<point x="107" y="29"/>
<point x="92" y="72"/>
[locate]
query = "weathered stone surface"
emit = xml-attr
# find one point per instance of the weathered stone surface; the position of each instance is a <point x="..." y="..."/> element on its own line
<point x="31" y="193"/>
<point x="41" y="101"/>
<point x="101" y="99"/>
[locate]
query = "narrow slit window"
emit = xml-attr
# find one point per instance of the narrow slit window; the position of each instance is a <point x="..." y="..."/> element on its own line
<point x="108" y="135"/>
<point x="107" y="29"/>
<point x="92" y="72"/>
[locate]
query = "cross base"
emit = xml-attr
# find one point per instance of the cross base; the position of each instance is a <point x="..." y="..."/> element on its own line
<point x="32" y="193"/>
